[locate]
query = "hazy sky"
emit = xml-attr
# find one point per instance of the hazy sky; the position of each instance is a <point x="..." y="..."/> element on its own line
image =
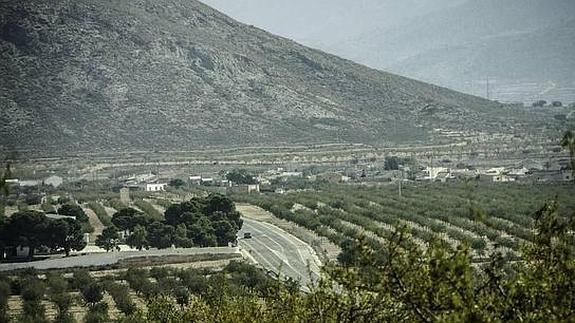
<point x="324" y="21"/>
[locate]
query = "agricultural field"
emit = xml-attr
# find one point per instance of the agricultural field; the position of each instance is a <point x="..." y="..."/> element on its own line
<point x="485" y="216"/>
<point x="102" y="296"/>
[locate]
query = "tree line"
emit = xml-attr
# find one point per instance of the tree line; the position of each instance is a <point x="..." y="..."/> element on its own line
<point x="34" y="230"/>
<point x="199" y="222"/>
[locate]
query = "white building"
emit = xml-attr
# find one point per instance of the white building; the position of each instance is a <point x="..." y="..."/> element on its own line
<point x="207" y="180"/>
<point x="59" y="216"/>
<point x="503" y="178"/>
<point x="195" y="179"/>
<point x="27" y="183"/>
<point x="518" y="172"/>
<point x="253" y="188"/>
<point x="432" y="172"/>
<point x="494" y="171"/>
<point x="156" y="187"/>
<point x="53" y="180"/>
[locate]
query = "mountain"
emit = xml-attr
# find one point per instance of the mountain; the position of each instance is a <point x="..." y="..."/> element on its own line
<point x="515" y="43"/>
<point x="524" y="47"/>
<point x="90" y="75"/>
<point x="521" y="66"/>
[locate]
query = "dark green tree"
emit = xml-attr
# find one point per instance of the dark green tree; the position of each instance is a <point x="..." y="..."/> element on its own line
<point x="97" y="313"/>
<point x="33" y="291"/>
<point x="28" y="229"/>
<point x="92" y="293"/>
<point x="138" y="238"/>
<point x="241" y="176"/>
<point x="109" y="239"/>
<point x="66" y="234"/>
<point x="160" y="235"/>
<point x="128" y="218"/>
<point x="181" y="239"/>
<point x="186" y="212"/>
<point x="73" y="210"/>
<point x="202" y="233"/>
<point x="176" y="183"/>
<point x="58" y="292"/>
<point x="218" y="203"/>
<point x="225" y="232"/>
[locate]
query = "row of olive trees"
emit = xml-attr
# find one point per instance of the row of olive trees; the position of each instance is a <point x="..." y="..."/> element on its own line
<point x="396" y="282"/>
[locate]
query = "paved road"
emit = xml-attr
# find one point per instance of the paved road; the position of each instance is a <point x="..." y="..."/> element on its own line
<point x="280" y="252"/>
<point x="109" y="258"/>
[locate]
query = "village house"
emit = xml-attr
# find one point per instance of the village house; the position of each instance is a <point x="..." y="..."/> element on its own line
<point x="251" y="188"/>
<point x="444" y="177"/>
<point x="54" y="180"/>
<point x="195" y="180"/>
<point x="493" y="171"/>
<point x="464" y="173"/>
<point x="155" y="187"/>
<point x="207" y="181"/>
<point x="431" y="173"/>
<point x="29" y="183"/>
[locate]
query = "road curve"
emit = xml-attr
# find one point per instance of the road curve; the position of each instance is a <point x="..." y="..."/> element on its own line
<point x="279" y="251"/>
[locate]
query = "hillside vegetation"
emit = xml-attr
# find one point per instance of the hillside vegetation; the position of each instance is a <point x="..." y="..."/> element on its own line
<point x="174" y="75"/>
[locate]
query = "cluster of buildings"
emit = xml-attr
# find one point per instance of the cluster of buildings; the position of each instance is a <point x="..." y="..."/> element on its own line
<point x="144" y="182"/>
<point x="53" y="180"/>
<point x="496" y="174"/>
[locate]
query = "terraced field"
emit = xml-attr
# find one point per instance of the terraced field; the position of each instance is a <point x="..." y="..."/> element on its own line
<point x="105" y="296"/>
<point x="485" y="216"/>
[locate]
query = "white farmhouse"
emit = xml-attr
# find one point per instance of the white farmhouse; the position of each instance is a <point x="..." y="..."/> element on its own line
<point x="432" y="172"/>
<point x="156" y="187"/>
<point x="55" y="181"/>
<point x="494" y="171"/>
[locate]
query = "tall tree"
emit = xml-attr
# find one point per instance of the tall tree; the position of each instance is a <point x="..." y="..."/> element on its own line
<point x="109" y="239"/>
<point x="161" y="235"/>
<point x="73" y="210"/>
<point x="202" y="233"/>
<point x="568" y="142"/>
<point x="176" y="183"/>
<point x="128" y="218"/>
<point x="181" y="239"/>
<point x="225" y="232"/>
<point x="139" y="238"/>
<point x="66" y="234"/>
<point x="241" y="176"/>
<point x="27" y="229"/>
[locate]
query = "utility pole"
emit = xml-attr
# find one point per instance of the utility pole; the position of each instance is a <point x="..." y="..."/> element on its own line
<point x="400" y="180"/>
<point x="487" y="88"/>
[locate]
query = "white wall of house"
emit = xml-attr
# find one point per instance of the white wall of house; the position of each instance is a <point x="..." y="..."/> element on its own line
<point x="55" y="181"/>
<point x="156" y="187"/>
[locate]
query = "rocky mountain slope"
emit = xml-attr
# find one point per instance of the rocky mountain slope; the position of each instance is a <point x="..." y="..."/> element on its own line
<point x="89" y="75"/>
